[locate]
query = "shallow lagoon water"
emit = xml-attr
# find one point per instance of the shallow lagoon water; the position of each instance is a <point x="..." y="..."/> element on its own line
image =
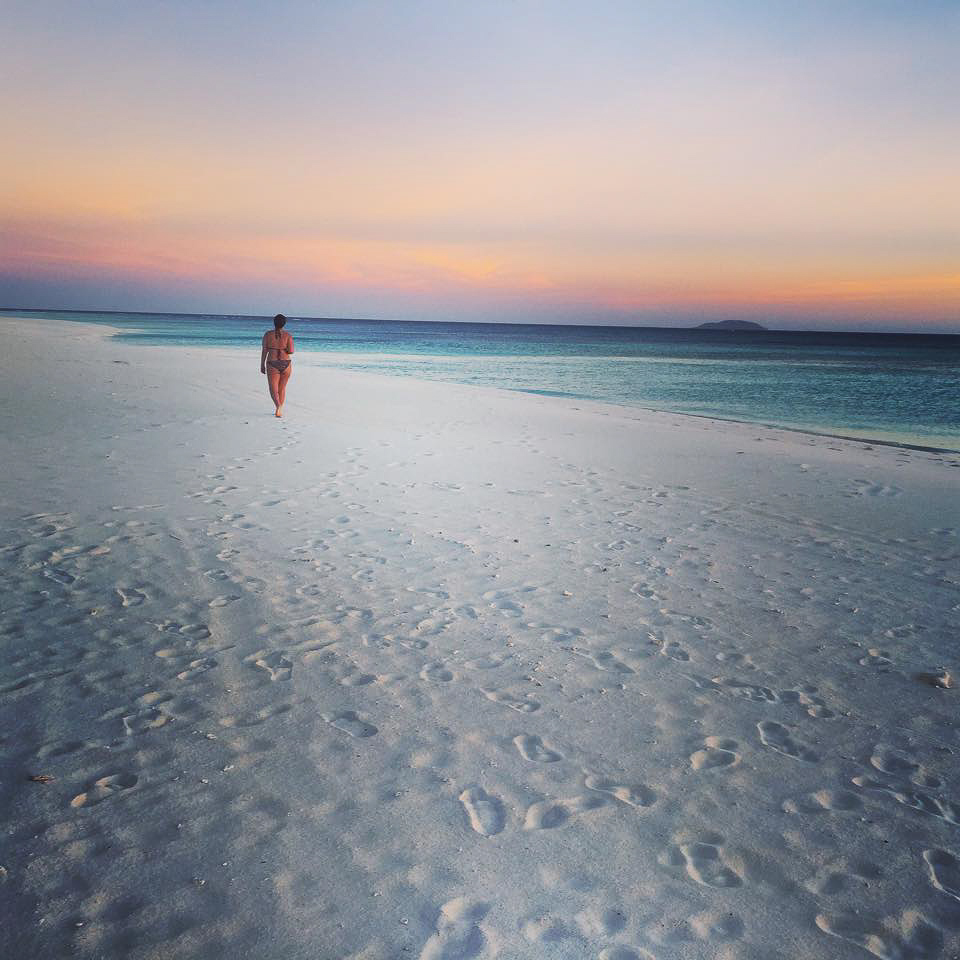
<point x="900" y="388"/>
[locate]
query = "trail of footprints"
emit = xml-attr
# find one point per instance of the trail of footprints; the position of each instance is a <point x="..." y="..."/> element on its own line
<point x="459" y="929"/>
<point x="916" y="939"/>
<point x="487" y="814"/>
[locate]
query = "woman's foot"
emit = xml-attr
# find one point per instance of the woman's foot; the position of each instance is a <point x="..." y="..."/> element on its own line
<point x="279" y="413"/>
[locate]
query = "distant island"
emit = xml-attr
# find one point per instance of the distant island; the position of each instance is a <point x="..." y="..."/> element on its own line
<point x="731" y="325"/>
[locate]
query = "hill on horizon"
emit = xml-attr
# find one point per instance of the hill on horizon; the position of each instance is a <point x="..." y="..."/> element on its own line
<point x="731" y="325"/>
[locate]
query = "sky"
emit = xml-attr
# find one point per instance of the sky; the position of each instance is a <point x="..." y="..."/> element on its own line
<point x="666" y="163"/>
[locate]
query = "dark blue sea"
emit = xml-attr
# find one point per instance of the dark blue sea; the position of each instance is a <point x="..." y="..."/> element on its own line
<point x="901" y="388"/>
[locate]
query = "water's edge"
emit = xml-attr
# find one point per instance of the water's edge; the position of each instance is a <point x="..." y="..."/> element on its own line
<point x="900" y="390"/>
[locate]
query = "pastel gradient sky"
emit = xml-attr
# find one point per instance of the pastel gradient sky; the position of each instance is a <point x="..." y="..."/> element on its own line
<point x="796" y="163"/>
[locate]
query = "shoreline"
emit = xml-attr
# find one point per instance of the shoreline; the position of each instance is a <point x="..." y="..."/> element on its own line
<point x="120" y="334"/>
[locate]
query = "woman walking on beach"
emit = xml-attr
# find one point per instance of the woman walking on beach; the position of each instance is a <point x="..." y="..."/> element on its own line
<point x="275" y="361"/>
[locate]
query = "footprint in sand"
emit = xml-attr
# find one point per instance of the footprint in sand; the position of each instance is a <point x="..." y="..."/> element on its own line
<point x="922" y="939"/>
<point x="21" y="683"/>
<point x="716" y="925"/>
<point x="745" y="691"/>
<point x="634" y="795"/>
<point x="197" y="667"/>
<point x="916" y="799"/>
<point x="274" y="663"/>
<point x="63" y="748"/>
<point x="549" y="814"/>
<point x="194" y="631"/>
<point x="522" y="703"/>
<point x="146" y="720"/>
<point x="59" y="576"/>
<point x="828" y="883"/>
<point x="153" y="698"/>
<point x="674" y="651"/>
<point x="861" y="488"/>
<point x="777" y="737"/>
<point x="437" y="672"/>
<point x="875" y="658"/>
<point x="717" y="754"/>
<point x="899" y="763"/>
<point x="596" y="921"/>
<point x="435" y="625"/>
<point x="944" y="871"/>
<point x="824" y="801"/>
<point x="533" y="748"/>
<point x="604" y="660"/>
<point x="499" y="600"/>
<point x="545" y="930"/>
<point x="223" y="601"/>
<point x="104" y="788"/>
<point x="735" y="659"/>
<point x="349" y="722"/>
<point x="488" y="662"/>
<point x="484" y="811"/>
<point x="131" y="597"/>
<point x="256" y="717"/>
<point x="703" y="863"/>
<point x="458" y="933"/>
<point x="355" y="678"/>
<point x="815" y="706"/>
<point x="412" y="644"/>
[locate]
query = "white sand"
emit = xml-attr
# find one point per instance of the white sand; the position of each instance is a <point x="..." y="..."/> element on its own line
<point x="436" y="671"/>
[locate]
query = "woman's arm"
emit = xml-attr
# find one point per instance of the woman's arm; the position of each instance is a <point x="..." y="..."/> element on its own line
<point x="289" y="347"/>
<point x="263" y="356"/>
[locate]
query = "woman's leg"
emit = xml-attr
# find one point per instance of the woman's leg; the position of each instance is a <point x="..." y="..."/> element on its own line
<point x="282" y="386"/>
<point x="273" y="379"/>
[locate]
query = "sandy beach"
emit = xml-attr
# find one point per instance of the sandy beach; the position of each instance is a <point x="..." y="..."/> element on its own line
<point x="438" y="671"/>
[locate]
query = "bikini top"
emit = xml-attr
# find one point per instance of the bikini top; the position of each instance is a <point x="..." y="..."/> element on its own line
<point x="280" y="349"/>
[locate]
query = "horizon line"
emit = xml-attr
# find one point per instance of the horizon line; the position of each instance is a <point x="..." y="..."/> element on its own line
<point x="502" y="323"/>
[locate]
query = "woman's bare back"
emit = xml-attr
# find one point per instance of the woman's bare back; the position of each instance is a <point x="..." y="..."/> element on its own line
<point x="278" y="344"/>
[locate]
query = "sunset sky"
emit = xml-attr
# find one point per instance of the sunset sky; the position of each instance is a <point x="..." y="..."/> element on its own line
<point x="796" y="163"/>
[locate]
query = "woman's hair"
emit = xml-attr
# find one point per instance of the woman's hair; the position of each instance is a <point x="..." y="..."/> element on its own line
<point x="279" y="320"/>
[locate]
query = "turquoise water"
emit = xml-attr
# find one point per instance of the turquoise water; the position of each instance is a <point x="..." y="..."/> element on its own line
<point x="902" y="388"/>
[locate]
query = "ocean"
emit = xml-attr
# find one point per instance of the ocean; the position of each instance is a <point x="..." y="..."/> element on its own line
<point x="894" y="388"/>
